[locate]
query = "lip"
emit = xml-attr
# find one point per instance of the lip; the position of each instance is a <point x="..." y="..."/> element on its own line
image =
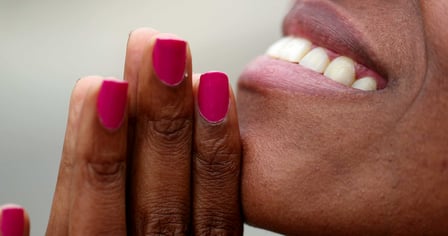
<point x="326" y="25"/>
<point x="266" y="74"/>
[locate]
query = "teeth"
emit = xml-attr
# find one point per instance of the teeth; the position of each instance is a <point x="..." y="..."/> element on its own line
<point x="290" y="49"/>
<point x="341" y="70"/>
<point x="296" y="49"/>
<point x="275" y="50"/>
<point x="316" y="60"/>
<point x="366" y="84"/>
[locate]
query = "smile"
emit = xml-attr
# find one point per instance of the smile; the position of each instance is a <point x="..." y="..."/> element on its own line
<point x="340" y="69"/>
<point x="315" y="59"/>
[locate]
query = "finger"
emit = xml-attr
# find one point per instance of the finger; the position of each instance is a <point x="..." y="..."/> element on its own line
<point x="14" y="221"/>
<point x="139" y="39"/>
<point x="216" y="159"/>
<point x="58" y="222"/>
<point x="160" y="175"/>
<point x="97" y="204"/>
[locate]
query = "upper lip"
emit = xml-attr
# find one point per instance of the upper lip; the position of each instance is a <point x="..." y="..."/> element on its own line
<point x="326" y="25"/>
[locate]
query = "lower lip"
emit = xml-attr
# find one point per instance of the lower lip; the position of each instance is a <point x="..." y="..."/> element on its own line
<point x="265" y="73"/>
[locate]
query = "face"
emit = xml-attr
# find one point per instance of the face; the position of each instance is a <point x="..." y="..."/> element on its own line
<point x="323" y="157"/>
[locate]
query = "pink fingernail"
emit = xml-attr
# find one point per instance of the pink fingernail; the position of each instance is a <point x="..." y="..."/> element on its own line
<point x="169" y="60"/>
<point x="213" y="96"/>
<point x="13" y="221"/>
<point x="112" y="101"/>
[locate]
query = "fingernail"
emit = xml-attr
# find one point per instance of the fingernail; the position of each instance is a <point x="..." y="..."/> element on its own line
<point x="112" y="101"/>
<point x="13" y="221"/>
<point x="169" y="60"/>
<point x="213" y="96"/>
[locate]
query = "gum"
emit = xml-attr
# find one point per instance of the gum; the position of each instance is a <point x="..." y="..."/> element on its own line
<point x="361" y="70"/>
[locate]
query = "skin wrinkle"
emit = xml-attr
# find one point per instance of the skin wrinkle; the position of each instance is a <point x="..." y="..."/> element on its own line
<point x="425" y="76"/>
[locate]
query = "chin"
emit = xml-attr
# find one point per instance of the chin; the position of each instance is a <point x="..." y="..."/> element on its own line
<point x="339" y="130"/>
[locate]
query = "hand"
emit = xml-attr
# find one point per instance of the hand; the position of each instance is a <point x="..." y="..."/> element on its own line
<point x="157" y="154"/>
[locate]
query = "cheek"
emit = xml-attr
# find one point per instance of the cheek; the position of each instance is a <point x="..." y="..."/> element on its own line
<point x="319" y="165"/>
<point x="304" y="167"/>
<point x="435" y="20"/>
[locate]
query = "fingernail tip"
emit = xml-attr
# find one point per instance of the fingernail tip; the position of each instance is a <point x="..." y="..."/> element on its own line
<point x="115" y="82"/>
<point x="215" y="74"/>
<point x="12" y="208"/>
<point x="172" y="40"/>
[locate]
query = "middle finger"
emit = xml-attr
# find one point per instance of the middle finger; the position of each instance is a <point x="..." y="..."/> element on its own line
<point x="160" y="174"/>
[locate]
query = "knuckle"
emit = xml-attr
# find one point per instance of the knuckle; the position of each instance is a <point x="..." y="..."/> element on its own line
<point x="166" y="221"/>
<point x="224" y="146"/>
<point x="170" y="131"/>
<point x="217" y="158"/>
<point x="217" y="225"/>
<point x="106" y="175"/>
<point x="217" y="167"/>
<point x="163" y="226"/>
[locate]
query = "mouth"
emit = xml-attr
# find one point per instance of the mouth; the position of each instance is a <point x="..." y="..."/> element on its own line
<point x="326" y="63"/>
<point x="321" y="49"/>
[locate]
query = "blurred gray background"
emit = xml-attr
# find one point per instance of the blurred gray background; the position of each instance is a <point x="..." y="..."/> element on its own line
<point x="46" y="45"/>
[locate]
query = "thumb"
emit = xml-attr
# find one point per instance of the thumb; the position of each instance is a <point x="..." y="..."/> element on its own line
<point x="14" y="221"/>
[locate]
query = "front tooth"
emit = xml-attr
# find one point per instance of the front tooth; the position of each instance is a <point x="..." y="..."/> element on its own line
<point x="366" y="84"/>
<point x="316" y="60"/>
<point x="341" y="70"/>
<point x="276" y="49"/>
<point x="295" y="50"/>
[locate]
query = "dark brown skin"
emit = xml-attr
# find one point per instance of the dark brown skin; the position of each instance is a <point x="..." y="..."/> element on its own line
<point x="374" y="165"/>
<point x="165" y="171"/>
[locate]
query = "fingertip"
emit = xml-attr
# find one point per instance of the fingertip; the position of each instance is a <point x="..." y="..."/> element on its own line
<point x="14" y="220"/>
<point x="142" y="32"/>
<point x="82" y="86"/>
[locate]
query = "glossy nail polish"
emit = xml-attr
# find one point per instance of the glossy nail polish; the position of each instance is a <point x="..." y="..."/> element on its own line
<point x="213" y="96"/>
<point x="13" y="221"/>
<point x="169" y="60"/>
<point x="112" y="101"/>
